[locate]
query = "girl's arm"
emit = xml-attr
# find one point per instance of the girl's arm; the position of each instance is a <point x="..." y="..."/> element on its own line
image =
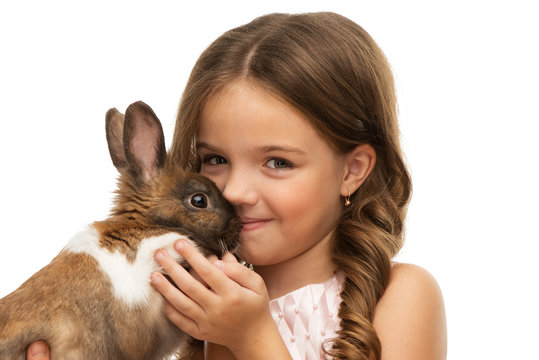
<point x="410" y="316"/>
<point x="229" y="307"/>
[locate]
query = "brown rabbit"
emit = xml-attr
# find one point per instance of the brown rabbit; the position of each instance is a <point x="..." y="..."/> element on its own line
<point x="94" y="300"/>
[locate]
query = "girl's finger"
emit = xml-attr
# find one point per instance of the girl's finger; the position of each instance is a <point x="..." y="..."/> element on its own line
<point x="193" y="288"/>
<point x="38" y="350"/>
<point x="212" y="259"/>
<point x="207" y="271"/>
<point x="183" y="322"/>
<point x="237" y="272"/>
<point x="244" y="276"/>
<point x="229" y="258"/>
<point x="176" y="298"/>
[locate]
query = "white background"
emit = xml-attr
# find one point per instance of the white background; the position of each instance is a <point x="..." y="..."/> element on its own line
<point x="467" y="78"/>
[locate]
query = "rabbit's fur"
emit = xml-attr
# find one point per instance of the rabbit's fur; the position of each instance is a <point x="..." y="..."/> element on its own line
<point x="94" y="300"/>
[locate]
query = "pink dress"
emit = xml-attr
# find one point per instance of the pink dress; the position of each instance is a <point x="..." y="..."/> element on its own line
<point x="308" y="316"/>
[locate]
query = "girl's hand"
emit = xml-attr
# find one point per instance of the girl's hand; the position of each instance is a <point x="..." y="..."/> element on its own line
<point x="38" y="350"/>
<point x="229" y="306"/>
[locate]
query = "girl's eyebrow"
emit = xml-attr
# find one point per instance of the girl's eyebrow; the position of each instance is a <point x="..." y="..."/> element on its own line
<point x="206" y="146"/>
<point x="263" y="149"/>
<point x="291" y="149"/>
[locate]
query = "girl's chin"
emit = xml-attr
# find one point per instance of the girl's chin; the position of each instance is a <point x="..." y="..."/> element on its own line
<point x="251" y="257"/>
<point x="256" y="257"/>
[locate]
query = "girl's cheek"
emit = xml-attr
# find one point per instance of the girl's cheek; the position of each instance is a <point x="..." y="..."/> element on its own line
<point x="208" y="171"/>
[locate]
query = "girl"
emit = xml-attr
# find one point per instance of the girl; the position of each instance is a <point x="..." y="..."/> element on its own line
<point x="294" y="118"/>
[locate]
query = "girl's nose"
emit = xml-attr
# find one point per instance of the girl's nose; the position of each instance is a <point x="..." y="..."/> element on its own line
<point x="240" y="189"/>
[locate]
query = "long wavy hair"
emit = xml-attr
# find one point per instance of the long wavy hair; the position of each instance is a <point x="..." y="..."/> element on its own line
<point x="331" y="70"/>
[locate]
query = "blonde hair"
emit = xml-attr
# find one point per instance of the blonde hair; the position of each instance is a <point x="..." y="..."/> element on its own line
<point x="331" y="70"/>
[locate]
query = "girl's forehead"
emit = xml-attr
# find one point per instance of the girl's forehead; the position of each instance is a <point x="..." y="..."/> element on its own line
<point x="245" y="107"/>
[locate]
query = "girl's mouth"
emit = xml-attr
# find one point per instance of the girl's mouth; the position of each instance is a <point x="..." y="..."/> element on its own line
<point x="250" y="224"/>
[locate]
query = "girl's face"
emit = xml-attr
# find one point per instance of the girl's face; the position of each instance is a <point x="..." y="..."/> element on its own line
<point x="283" y="179"/>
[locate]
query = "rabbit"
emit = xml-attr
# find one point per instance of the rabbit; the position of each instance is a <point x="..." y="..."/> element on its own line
<point x="94" y="300"/>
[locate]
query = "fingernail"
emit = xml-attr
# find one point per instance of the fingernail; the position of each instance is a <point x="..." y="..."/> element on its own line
<point x="39" y="350"/>
<point x="38" y="354"/>
<point x="155" y="278"/>
<point x="159" y="255"/>
<point x="219" y="264"/>
<point x="179" y="245"/>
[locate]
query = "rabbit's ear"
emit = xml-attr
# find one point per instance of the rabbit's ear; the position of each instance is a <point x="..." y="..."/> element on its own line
<point x="114" y="125"/>
<point x="144" y="142"/>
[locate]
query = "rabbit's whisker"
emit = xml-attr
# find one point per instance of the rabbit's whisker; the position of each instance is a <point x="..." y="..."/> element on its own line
<point x="222" y="246"/>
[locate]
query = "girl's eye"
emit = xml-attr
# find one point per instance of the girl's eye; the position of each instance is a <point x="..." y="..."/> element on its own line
<point x="278" y="164"/>
<point x="214" y="160"/>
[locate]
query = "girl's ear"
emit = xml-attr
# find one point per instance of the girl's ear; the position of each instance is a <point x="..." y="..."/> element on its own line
<point x="359" y="164"/>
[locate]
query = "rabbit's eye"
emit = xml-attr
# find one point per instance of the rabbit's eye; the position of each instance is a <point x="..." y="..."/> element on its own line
<point x="199" y="201"/>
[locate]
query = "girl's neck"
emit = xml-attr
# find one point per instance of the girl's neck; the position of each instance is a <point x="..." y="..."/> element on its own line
<point x="310" y="267"/>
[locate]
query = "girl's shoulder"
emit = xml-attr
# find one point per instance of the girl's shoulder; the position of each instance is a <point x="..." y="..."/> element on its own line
<point x="406" y="275"/>
<point x="410" y="317"/>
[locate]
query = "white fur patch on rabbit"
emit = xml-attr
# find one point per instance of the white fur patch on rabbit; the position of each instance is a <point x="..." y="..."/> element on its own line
<point x="130" y="280"/>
